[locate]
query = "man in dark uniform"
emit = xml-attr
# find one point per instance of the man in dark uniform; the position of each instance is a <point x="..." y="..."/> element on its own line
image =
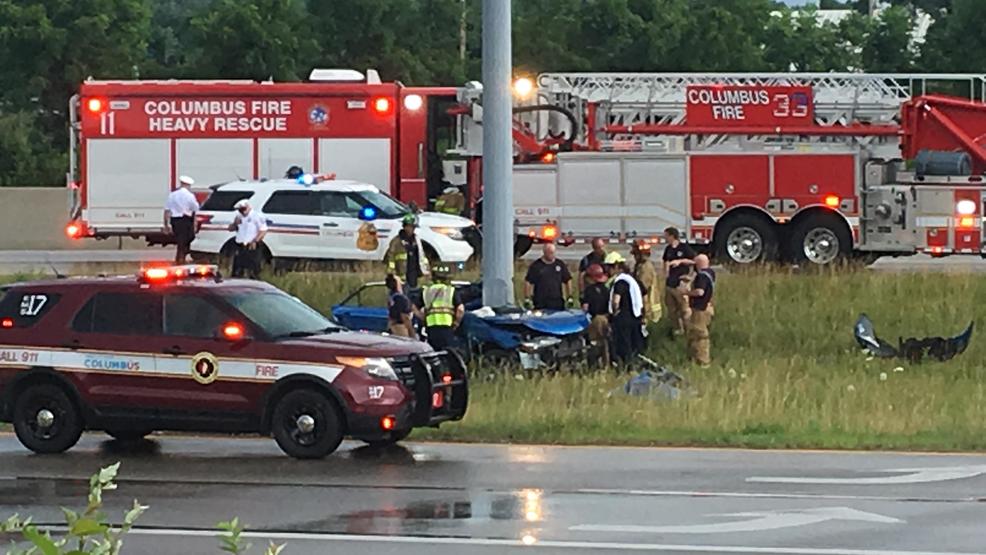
<point x="548" y="284"/>
<point x="699" y="300"/>
<point x="595" y="303"/>
<point x="399" y="310"/>
<point x="678" y="257"/>
<point x="596" y="256"/>
<point x="626" y="305"/>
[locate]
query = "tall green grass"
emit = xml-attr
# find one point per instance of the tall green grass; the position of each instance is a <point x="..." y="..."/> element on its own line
<point x="786" y="371"/>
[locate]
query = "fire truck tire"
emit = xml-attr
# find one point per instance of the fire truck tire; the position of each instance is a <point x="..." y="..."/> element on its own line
<point x="820" y="239"/>
<point x="46" y="420"/>
<point x="745" y="239"/>
<point x="306" y="424"/>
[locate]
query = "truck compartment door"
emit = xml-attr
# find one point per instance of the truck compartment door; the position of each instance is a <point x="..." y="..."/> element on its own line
<point x="889" y="215"/>
<point x="127" y="183"/>
<point x="365" y="160"/>
<point x="655" y="195"/>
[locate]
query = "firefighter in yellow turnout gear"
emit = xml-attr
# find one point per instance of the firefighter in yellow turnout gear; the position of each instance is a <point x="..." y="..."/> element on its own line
<point x="646" y="275"/>
<point x="700" y="303"/>
<point x="405" y="257"/>
<point x="451" y="201"/>
<point x="443" y="310"/>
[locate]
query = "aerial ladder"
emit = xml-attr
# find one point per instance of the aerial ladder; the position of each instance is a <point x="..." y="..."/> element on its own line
<point x="625" y="111"/>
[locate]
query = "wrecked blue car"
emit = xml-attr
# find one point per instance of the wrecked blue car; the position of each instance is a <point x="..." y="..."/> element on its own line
<point x="533" y="339"/>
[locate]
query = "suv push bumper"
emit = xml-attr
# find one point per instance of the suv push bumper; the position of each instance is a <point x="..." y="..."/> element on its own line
<point x="439" y="384"/>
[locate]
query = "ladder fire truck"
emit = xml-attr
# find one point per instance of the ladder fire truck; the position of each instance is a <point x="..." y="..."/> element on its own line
<point x="757" y="167"/>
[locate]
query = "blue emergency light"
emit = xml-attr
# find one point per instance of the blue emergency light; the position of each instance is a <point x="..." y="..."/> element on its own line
<point x="306" y="179"/>
<point x="368" y="213"/>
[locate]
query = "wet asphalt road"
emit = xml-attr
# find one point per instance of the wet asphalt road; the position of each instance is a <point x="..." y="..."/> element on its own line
<point x="451" y="499"/>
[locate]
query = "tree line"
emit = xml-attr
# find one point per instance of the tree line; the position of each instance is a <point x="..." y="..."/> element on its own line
<point x="47" y="47"/>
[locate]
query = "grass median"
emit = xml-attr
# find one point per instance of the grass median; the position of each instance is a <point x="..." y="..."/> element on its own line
<point x="786" y="371"/>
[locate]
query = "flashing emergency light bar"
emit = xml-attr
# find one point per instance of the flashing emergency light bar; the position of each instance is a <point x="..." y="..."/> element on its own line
<point x="166" y="274"/>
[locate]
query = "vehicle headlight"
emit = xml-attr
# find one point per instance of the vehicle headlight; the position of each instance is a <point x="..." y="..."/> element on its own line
<point x="376" y="367"/>
<point x="453" y="233"/>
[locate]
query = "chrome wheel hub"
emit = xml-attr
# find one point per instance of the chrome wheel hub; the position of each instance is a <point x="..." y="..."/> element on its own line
<point x="744" y="245"/>
<point x="45" y="418"/>
<point x="821" y="246"/>
<point x="305" y="423"/>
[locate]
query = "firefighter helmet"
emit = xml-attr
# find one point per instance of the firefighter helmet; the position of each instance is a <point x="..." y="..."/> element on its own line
<point x="640" y="246"/>
<point x="409" y="219"/>
<point x="442" y="272"/>
<point x="614" y="258"/>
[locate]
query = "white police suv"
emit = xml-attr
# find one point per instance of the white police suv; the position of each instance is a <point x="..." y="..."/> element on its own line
<point x="327" y="219"/>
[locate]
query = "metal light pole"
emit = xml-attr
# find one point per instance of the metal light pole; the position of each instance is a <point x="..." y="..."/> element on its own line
<point x="498" y="154"/>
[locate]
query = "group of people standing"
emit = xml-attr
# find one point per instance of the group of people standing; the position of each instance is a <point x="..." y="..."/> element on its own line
<point x="250" y="226"/>
<point x="441" y="308"/>
<point x="621" y="298"/>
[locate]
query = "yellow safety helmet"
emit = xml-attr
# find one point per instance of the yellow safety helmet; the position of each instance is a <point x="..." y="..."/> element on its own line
<point x="613" y="258"/>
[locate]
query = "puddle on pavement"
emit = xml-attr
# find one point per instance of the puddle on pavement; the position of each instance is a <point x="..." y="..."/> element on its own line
<point x="522" y="507"/>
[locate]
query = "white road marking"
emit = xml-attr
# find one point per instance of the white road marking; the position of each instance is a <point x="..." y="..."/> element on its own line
<point x="554" y="544"/>
<point x="764" y="495"/>
<point x="761" y="520"/>
<point x="907" y="476"/>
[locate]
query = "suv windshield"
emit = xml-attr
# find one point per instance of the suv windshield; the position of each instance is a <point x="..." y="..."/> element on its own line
<point x="281" y="315"/>
<point x="389" y="207"/>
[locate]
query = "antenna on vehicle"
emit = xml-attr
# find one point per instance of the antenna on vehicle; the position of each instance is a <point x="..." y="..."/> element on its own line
<point x="58" y="275"/>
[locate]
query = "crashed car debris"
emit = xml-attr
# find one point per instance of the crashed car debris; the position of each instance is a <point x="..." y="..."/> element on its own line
<point x="912" y="348"/>
<point x="531" y="339"/>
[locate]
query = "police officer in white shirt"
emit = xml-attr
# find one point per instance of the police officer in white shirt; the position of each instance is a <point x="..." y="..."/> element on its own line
<point x="179" y="217"/>
<point x="250" y="227"/>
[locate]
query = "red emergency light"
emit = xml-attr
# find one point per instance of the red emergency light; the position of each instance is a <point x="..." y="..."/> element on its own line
<point x="73" y="230"/>
<point x="832" y="201"/>
<point x="388" y="423"/>
<point x="233" y="331"/>
<point x="95" y="105"/>
<point x="162" y="274"/>
<point x="382" y="105"/>
<point x="7" y="323"/>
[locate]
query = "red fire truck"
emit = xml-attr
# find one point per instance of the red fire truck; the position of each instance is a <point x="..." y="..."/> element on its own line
<point x="756" y="167"/>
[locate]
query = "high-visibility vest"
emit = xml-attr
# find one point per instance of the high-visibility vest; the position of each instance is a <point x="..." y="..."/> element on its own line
<point x="439" y="305"/>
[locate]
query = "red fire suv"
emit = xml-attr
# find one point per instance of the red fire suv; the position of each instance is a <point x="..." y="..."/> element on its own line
<point x="180" y="348"/>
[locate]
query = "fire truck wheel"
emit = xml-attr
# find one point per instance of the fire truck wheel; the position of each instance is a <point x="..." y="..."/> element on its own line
<point x="820" y="239"/>
<point x="746" y="239"/>
<point x="306" y="424"/>
<point x="46" y="420"/>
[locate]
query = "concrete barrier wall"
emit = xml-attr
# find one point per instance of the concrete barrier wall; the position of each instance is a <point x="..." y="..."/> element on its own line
<point x="34" y="218"/>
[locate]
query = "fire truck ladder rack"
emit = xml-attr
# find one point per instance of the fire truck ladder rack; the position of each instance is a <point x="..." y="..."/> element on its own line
<point x="621" y="101"/>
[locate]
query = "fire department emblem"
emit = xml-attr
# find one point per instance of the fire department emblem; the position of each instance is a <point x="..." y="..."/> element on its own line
<point x="205" y="368"/>
<point x="318" y="115"/>
<point x="367" y="238"/>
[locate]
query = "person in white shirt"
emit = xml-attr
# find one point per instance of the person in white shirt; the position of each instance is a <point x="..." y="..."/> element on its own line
<point x="179" y="217"/>
<point x="251" y="228"/>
